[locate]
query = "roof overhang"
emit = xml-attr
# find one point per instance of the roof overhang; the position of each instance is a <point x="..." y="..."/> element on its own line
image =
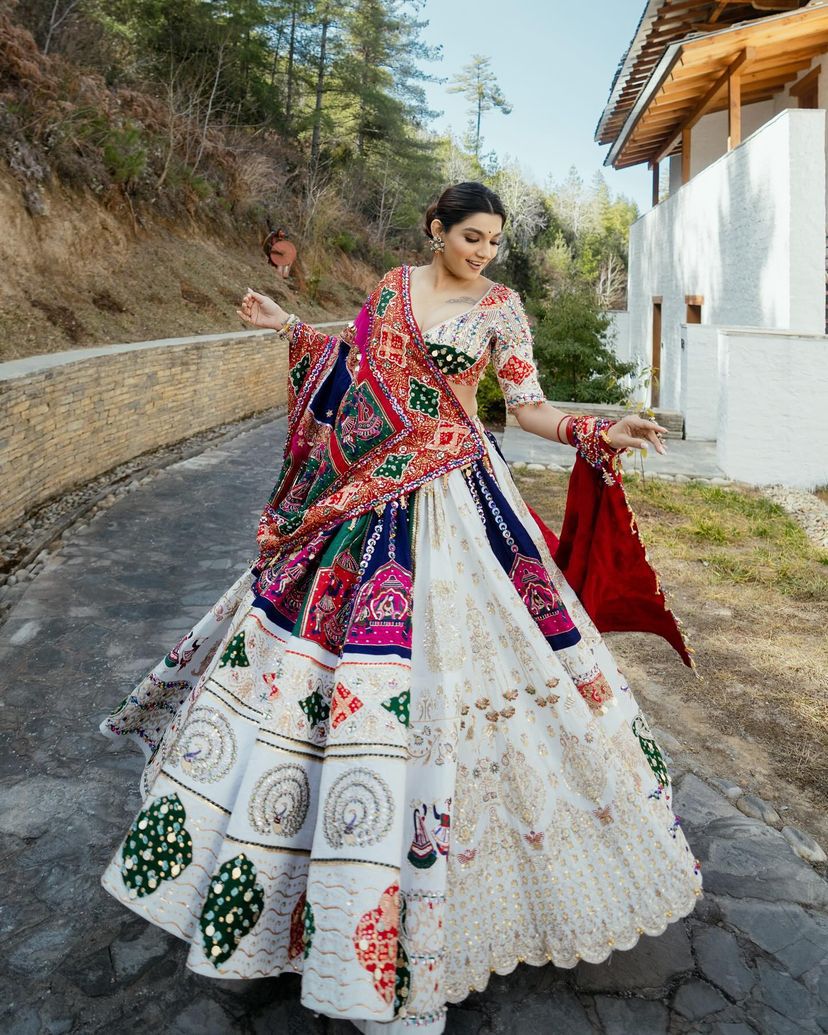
<point x="779" y="47"/>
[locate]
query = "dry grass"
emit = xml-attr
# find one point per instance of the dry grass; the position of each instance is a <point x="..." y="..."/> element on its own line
<point x="752" y="593"/>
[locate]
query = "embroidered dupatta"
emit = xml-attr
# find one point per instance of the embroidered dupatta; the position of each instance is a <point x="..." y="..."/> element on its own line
<point x="371" y="417"/>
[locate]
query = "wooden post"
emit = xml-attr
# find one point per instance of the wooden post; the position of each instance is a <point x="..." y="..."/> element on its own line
<point x="655" y="182"/>
<point x="685" y="154"/>
<point x="734" y="109"/>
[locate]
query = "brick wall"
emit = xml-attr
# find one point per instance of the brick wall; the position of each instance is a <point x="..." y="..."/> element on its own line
<point x="67" y="418"/>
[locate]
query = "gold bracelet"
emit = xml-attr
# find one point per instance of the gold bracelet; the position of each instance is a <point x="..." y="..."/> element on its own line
<point x="288" y="325"/>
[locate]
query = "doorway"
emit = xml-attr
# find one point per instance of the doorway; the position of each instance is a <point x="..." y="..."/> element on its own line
<point x="655" y="384"/>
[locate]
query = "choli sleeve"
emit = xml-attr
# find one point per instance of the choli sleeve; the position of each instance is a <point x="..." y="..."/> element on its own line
<point x="512" y="356"/>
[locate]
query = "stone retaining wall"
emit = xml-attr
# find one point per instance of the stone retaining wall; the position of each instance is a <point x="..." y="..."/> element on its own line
<point x="67" y="417"/>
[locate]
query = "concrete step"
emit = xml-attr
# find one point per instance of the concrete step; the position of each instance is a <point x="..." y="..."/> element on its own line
<point x="670" y="419"/>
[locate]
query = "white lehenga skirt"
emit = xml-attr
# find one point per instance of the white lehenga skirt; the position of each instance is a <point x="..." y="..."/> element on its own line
<point x="397" y="824"/>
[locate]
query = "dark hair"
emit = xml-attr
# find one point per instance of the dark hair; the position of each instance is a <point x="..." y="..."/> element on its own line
<point x="461" y="200"/>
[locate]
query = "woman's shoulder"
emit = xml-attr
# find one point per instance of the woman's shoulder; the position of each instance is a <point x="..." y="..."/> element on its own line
<point x="501" y="295"/>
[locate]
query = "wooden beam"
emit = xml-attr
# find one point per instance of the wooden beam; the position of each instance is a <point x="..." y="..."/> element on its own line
<point x="685" y="154"/>
<point x="720" y="6"/>
<point x="734" y="110"/>
<point x="656" y="168"/>
<point x="741" y="58"/>
<point x="805" y="83"/>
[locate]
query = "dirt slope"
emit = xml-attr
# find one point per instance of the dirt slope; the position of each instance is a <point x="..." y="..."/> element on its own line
<point x="87" y="274"/>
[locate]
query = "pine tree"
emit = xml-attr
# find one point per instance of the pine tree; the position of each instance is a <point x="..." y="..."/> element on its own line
<point x="478" y="84"/>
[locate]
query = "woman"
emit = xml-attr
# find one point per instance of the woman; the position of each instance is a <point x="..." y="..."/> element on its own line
<point x="405" y="647"/>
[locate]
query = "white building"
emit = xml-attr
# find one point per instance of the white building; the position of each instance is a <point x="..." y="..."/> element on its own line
<point x="727" y="275"/>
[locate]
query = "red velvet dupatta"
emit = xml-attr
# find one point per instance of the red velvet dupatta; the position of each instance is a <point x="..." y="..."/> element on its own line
<point x="603" y="558"/>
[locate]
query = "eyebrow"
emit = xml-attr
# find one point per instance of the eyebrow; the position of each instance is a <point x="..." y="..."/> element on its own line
<point x="476" y="231"/>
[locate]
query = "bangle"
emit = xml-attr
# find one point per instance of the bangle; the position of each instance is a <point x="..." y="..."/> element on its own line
<point x="288" y="325"/>
<point x="558" y="428"/>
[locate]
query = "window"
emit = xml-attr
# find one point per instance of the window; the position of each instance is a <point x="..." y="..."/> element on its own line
<point x="694" y="308"/>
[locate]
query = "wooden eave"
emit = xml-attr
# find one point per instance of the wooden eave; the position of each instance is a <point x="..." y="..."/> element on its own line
<point x="780" y="47"/>
<point x="663" y="22"/>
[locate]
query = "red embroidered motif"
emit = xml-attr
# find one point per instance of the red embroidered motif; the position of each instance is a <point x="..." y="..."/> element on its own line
<point x="595" y="691"/>
<point x="344" y="703"/>
<point x="516" y="370"/>
<point x="392" y="345"/>
<point x="375" y="941"/>
<point x="270" y="682"/>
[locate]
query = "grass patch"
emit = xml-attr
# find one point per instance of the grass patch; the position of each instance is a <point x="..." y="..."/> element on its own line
<point x="740" y="535"/>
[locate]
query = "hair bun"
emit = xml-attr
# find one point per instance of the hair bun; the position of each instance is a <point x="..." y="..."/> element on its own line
<point x="460" y="201"/>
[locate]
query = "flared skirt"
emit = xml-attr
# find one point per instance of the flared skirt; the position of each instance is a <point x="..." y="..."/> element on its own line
<point x="397" y="760"/>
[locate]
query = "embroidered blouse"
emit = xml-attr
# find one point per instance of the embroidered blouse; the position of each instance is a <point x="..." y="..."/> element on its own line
<point x="495" y="329"/>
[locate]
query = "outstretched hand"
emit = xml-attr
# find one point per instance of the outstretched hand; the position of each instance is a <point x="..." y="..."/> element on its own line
<point x="261" y="311"/>
<point x="634" y="432"/>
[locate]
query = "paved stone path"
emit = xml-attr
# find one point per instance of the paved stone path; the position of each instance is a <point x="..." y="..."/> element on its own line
<point x="102" y="611"/>
<point x="683" y="457"/>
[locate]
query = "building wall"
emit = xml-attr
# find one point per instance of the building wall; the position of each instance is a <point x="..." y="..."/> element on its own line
<point x="747" y="233"/>
<point x="618" y="333"/>
<point x="771" y="427"/>
<point x="66" y="418"/>
<point x="699" y="400"/>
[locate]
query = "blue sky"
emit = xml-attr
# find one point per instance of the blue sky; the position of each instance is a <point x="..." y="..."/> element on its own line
<point x="554" y="61"/>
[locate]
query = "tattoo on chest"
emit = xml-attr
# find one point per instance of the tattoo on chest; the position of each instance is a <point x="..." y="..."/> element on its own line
<point x="463" y="298"/>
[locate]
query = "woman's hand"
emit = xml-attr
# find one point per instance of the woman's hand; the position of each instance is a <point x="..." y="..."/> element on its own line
<point x="261" y="311"/>
<point x="634" y="432"/>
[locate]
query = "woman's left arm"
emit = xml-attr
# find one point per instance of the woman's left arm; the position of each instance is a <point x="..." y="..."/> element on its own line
<point x="630" y="432"/>
<point x="514" y="363"/>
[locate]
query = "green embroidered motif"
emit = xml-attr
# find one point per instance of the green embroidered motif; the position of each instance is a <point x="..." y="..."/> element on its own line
<point x="231" y="908"/>
<point x="394" y="466"/>
<point x="650" y="749"/>
<point x="308" y="927"/>
<point x="449" y="359"/>
<point x="362" y="425"/>
<point x="384" y="300"/>
<point x="288" y="522"/>
<point x="234" y="653"/>
<point x="402" y="981"/>
<point x="315" y="707"/>
<point x="399" y="706"/>
<point x="157" y="846"/>
<point x="423" y="398"/>
<point x="297" y="373"/>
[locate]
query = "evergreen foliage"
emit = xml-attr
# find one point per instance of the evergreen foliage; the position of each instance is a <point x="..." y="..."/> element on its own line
<point x="574" y="359"/>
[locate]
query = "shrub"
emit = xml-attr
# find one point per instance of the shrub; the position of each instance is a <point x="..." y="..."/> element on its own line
<point x="574" y="360"/>
<point x="124" y="153"/>
<point x="491" y="407"/>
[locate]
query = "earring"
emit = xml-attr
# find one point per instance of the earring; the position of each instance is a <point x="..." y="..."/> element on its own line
<point x="437" y="244"/>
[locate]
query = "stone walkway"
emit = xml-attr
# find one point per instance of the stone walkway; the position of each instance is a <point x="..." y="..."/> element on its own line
<point x="101" y="612"/>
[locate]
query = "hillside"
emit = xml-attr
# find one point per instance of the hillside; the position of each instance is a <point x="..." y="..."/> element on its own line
<point x="81" y="275"/>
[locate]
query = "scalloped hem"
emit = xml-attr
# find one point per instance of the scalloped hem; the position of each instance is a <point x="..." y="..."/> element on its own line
<point x="679" y="912"/>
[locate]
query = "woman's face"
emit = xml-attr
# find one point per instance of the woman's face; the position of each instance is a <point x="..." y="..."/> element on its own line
<point x="470" y="245"/>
